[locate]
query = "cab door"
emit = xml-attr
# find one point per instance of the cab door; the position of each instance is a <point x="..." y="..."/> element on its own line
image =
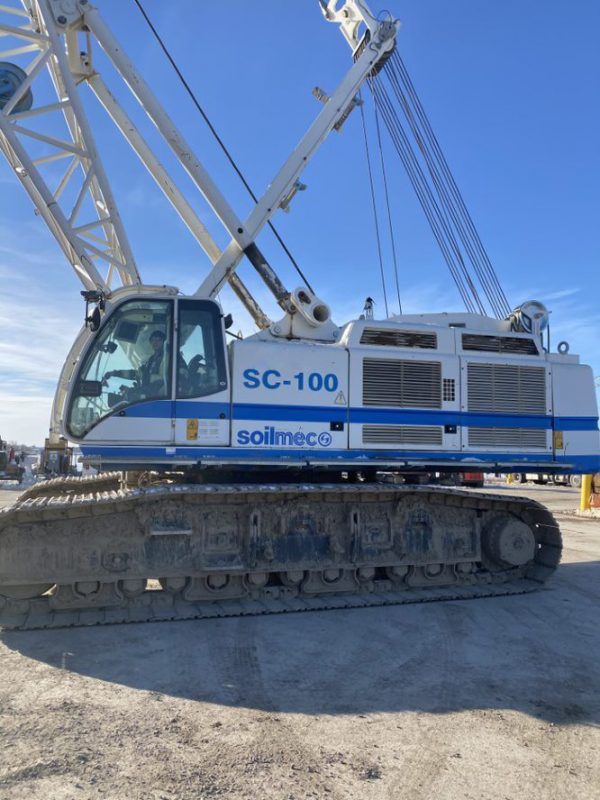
<point x="200" y="376"/>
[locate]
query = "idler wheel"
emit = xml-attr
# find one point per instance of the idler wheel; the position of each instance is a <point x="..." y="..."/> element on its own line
<point x="332" y="575"/>
<point x="87" y="588"/>
<point x="173" y="585"/>
<point x="216" y="581"/>
<point x="257" y="579"/>
<point x="132" y="587"/>
<point x="25" y="591"/>
<point x="464" y="567"/>
<point x="292" y="577"/>
<point x="508" y="541"/>
<point x="366" y="573"/>
<point x="397" y="573"/>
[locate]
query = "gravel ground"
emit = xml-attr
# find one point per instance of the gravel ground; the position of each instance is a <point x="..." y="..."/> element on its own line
<point x="489" y="699"/>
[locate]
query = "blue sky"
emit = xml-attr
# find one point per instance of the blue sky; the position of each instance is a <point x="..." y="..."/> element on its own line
<point x="511" y="90"/>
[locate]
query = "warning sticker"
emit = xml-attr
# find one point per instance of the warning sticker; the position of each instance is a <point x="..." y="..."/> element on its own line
<point x="191" y="429"/>
<point x="340" y="399"/>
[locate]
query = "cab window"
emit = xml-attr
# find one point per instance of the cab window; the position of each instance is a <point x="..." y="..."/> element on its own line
<point x="201" y="359"/>
<point x="129" y="362"/>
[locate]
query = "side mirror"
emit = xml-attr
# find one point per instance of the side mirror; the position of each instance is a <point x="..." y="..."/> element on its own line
<point x="228" y="321"/>
<point x="94" y="319"/>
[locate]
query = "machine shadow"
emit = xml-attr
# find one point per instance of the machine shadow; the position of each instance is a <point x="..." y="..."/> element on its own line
<point x="535" y="653"/>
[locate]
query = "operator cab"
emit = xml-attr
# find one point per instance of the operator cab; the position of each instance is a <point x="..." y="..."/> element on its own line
<point x="147" y="355"/>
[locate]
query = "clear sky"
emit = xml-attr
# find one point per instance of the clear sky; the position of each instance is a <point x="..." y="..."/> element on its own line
<point x="511" y="90"/>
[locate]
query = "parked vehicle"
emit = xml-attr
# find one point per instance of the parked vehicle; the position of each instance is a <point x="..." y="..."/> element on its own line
<point x="542" y="478"/>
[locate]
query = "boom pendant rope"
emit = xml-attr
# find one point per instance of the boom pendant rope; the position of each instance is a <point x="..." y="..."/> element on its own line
<point x="375" y="216"/>
<point x="399" y="64"/>
<point x="427" y="199"/>
<point x="437" y="191"/>
<point x="387" y="203"/>
<point x="446" y="187"/>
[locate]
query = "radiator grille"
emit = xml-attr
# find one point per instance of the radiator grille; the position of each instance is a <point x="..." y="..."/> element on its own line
<point x="508" y="437"/>
<point x="499" y="344"/>
<point x="394" y="338"/>
<point x="402" y="434"/>
<point x="507" y="388"/>
<point x="404" y="384"/>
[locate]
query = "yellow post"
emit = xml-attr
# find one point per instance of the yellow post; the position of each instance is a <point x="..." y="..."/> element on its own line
<point x="509" y="478"/>
<point x="586" y="491"/>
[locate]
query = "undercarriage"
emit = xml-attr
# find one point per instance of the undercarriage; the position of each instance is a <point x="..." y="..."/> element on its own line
<point x="92" y="551"/>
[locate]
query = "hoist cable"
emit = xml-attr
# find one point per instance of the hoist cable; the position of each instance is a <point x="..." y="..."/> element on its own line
<point x="429" y="213"/>
<point x="494" y="285"/>
<point x="375" y="217"/>
<point x="453" y="185"/>
<point x="433" y="212"/>
<point x="435" y="215"/>
<point x="427" y="206"/>
<point x="220" y="142"/>
<point x="438" y="166"/>
<point x="452" y="214"/>
<point x="459" y="221"/>
<point x="387" y="202"/>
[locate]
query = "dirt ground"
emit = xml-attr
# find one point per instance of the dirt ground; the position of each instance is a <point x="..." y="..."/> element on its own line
<point x="495" y="699"/>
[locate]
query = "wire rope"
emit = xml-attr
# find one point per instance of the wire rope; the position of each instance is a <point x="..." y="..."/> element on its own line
<point x="387" y="202"/>
<point x="454" y="187"/>
<point x="219" y="140"/>
<point x="375" y="216"/>
<point x="423" y="132"/>
<point x="431" y="208"/>
<point x="450" y="209"/>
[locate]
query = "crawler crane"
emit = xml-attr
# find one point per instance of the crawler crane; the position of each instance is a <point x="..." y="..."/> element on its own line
<point x="262" y="454"/>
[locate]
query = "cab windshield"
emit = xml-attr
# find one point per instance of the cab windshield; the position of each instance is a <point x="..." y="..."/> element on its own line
<point x="129" y="362"/>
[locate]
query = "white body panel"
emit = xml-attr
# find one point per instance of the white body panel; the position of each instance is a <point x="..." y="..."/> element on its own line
<point x="575" y="397"/>
<point x="387" y="393"/>
<point x="128" y="428"/>
<point x="203" y="420"/>
<point x="289" y="395"/>
<point x="377" y="418"/>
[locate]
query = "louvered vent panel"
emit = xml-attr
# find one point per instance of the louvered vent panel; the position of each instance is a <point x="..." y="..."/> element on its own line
<point x="402" y="434"/>
<point x="499" y="344"/>
<point x="507" y="388"/>
<point x="507" y="437"/>
<point x="391" y="338"/>
<point x="403" y="384"/>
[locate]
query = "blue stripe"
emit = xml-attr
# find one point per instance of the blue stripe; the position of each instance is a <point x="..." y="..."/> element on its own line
<point x="576" y="423"/>
<point x="201" y="409"/>
<point x="162" y="409"/>
<point x="572" y="463"/>
<point x="153" y="409"/>
<point x="461" y="419"/>
<point x="273" y="413"/>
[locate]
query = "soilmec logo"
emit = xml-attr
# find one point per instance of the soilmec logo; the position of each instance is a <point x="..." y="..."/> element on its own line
<point x="271" y="437"/>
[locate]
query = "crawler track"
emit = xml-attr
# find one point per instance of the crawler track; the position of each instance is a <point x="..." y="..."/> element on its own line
<point x="186" y="552"/>
<point x="104" y="482"/>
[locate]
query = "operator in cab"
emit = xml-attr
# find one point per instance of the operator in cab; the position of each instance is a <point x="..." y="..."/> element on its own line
<point x="150" y="380"/>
